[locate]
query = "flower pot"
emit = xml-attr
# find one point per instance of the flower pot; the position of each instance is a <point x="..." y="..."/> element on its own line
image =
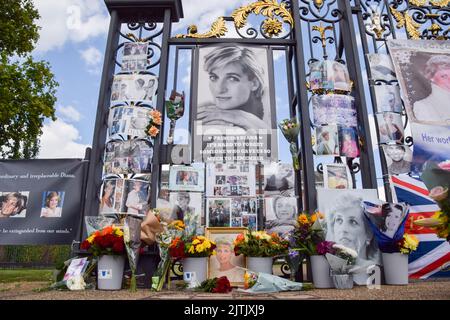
<point x="196" y="265"/>
<point x="395" y="268"/>
<point x="321" y="272"/>
<point x="260" y="264"/>
<point x="342" y="281"/>
<point x="110" y="272"/>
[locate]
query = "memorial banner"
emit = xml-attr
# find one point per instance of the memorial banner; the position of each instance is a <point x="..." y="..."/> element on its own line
<point x="41" y="201"/>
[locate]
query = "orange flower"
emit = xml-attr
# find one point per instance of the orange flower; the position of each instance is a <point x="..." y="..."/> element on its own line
<point x="155" y="114"/>
<point x="153" y="132"/>
<point x="157" y="120"/>
<point x="303" y="219"/>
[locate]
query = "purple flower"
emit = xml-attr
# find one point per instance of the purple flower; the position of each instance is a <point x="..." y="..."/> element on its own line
<point x="293" y="254"/>
<point x="325" y="247"/>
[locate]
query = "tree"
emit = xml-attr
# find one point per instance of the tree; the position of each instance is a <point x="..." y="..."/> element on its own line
<point x="27" y="87"/>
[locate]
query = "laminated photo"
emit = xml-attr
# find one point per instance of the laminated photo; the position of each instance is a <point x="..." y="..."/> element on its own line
<point x="127" y="157"/>
<point x="334" y="109"/>
<point x="128" y="121"/>
<point x="218" y="213"/>
<point x="398" y="158"/>
<point x="327" y="140"/>
<point x="124" y="196"/>
<point x="390" y="127"/>
<point x="279" y="179"/>
<point x="14" y="204"/>
<point x="337" y="176"/>
<point x="234" y="116"/>
<point x="135" y="56"/>
<point x="346" y="224"/>
<point x="230" y="179"/>
<point x="186" y="178"/>
<point x="381" y="67"/>
<point x="348" y="142"/>
<point x="244" y="212"/>
<point x="388" y="98"/>
<point x="186" y="203"/>
<point x="135" y="87"/>
<point x="423" y="70"/>
<point x="281" y="214"/>
<point x="329" y="75"/>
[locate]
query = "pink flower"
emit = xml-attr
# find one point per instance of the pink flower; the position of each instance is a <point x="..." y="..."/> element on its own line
<point x="439" y="193"/>
<point x="445" y="165"/>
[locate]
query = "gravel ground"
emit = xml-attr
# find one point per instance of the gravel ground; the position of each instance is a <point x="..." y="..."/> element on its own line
<point x="417" y="290"/>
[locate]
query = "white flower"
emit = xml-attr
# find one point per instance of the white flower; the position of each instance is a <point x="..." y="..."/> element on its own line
<point x="76" y="283"/>
<point x="352" y="253"/>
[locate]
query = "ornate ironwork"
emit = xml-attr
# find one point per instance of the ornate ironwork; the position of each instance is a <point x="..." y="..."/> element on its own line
<point x="423" y="19"/>
<point x="377" y="19"/>
<point x="218" y="29"/>
<point x="276" y="13"/>
<point x="322" y="30"/>
<point x="312" y="12"/>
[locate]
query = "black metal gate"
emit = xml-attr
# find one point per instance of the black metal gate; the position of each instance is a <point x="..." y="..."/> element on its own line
<point x="314" y="30"/>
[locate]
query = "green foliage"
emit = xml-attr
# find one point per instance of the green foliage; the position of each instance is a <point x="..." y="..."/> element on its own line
<point x="18" y="32"/>
<point x="51" y="255"/>
<point x="27" y="87"/>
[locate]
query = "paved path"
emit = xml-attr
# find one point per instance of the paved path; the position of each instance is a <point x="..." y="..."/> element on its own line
<point x="417" y="290"/>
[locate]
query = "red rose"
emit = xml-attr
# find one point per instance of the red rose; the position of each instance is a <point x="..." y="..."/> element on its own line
<point x="85" y="245"/>
<point x="222" y="285"/>
<point x="118" y="246"/>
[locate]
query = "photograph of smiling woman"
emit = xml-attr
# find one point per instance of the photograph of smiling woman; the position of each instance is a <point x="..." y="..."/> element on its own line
<point x="238" y="101"/>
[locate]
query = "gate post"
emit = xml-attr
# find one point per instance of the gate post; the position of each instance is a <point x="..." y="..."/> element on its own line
<point x="309" y="186"/>
<point x="123" y="11"/>
<point x="347" y="28"/>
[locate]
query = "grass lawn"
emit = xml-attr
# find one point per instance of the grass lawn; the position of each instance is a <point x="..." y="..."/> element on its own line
<point x="10" y="275"/>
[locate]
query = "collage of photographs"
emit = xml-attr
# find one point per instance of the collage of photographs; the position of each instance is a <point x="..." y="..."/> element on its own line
<point x="388" y="117"/>
<point x="128" y="121"/>
<point x="124" y="196"/>
<point x="225" y="180"/>
<point x="128" y="157"/>
<point x="135" y="56"/>
<point x="134" y="87"/>
<point x="15" y="204"/>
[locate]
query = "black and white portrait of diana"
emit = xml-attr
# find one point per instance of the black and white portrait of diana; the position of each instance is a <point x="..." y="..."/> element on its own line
<point x="233" y="92"/>
<point x="346" y="224"/>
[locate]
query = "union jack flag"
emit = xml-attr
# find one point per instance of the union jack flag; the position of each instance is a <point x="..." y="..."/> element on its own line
<point x="432" y="257"/>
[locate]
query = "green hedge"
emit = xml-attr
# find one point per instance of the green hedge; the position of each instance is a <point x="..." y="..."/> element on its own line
<point x="50" y="255"/>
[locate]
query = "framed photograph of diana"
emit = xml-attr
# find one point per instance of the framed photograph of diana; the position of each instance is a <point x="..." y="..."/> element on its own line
<point x="233" y="105"/>
<point x="423" y="72"/>
<point x="224" y="262"/>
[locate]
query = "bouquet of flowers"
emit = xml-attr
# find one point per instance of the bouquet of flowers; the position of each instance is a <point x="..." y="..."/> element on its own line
<point x="260" y="244"/>
<point x="155" y="122"/>
<point x="408" y="244"/>
<point x="307" y="234"/>
<point x="387" y="222"/>
<point x="132" y="237"/>
<point x="263" y="282"/>
<point x="192" y="246"/>
<point x="290" y="129"/>
<point x="164" y="239"/>
<point x="215" y="285"/>
<point x="343" y="260"/>
<point x="107" y="241"/>
<point x="175" y="110"/>
<point x="437" y="179"/>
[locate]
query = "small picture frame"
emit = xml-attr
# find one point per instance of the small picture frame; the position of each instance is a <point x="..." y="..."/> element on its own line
<point x="337" y="176"/>
<point x="186" y="178"/>
<point x="233" y="266"/>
